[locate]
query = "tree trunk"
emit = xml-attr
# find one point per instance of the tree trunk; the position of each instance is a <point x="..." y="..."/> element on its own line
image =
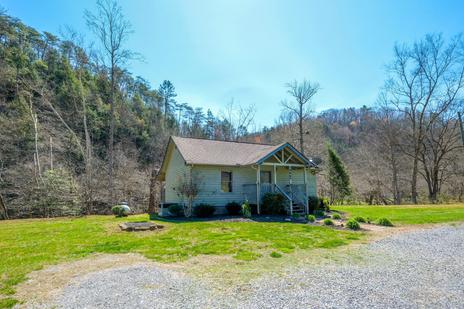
<point x="300" y="127"/>
<point x="3" y="207"/>
<point x="111" y="140"/>
<point x="152" y="199"/>
<point x="461" y="125"/>
<point x="414" y="177"/>
<point x="88" y="194"/>
<point x="38" y="171"/>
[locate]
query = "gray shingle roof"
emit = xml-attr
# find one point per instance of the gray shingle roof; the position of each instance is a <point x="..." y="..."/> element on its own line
<point x="212" y="152"/>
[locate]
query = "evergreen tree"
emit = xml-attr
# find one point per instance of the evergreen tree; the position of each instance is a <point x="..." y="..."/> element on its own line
<point x="339" y="180"/>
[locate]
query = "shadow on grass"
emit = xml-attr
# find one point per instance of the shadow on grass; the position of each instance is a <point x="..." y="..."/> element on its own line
<point x="225" y="218"/>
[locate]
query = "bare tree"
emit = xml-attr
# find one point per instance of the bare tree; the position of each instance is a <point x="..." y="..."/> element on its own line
<point x="112" y="29"/>
<point x="302" y="92"/>
<point x="237" y="120"/>
<point x="387" y="140"/>
<point x="425" y="80"/>
<point x="438" y="153"/>
<point x="188" y="187"/>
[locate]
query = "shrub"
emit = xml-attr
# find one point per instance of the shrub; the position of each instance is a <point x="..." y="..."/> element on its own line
<point x="233" y="208"/>
<point x="273" y="204"/>
<point x="328" y="222"/>
<point x="336" y="216"/>
<point x="384" y="222"/>
<point x="360" y="219"/>
<point x="296" y="216"/>
<point x="319" y="213"/>
<point x="311" y="218"/>
<point x="203" y="210"/>
<point x="176" y="210"/>
<point x="275" y="254"/>
<point x="352" y="224"/>
<point x="313" y="204"/>
<point x="246" y="209"/>
<point x="324" y="204"/>
<point x="116" y="210"/>
<point x="119" y="211"/>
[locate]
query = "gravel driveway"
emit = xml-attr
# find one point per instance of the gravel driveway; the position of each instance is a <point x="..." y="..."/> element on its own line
<point x="419" y="269"/>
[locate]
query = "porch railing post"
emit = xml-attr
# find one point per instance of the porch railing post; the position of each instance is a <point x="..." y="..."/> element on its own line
<point x="291" y="189"/>
<point x="258" y="189"/>
<point x="306" y="192"/>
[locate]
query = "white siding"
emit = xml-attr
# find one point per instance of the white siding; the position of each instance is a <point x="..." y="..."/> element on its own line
<point x="211" y="193"/>
<point x="176" y="168"/>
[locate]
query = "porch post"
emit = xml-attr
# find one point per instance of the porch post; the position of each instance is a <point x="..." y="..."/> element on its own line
<point x="306" y="191"/>
<point x="291" y="192"/>
<point x="275" y="177"/>
<point x="258" y="188"/>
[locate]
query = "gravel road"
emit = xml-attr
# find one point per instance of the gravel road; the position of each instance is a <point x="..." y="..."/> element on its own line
<point x="419" y="269"/>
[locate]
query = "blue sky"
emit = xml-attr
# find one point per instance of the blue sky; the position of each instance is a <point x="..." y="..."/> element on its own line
<point x="216" y="50"/>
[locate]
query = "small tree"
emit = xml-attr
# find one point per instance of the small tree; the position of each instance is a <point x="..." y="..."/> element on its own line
<point x="338" y="178"/>
<point x="188" y="187"/>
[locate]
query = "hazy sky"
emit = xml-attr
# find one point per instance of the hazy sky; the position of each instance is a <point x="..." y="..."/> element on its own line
<point x="216" y="50"/>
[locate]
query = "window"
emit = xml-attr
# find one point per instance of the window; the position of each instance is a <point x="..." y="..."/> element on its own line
<point x="266" y="177"/>
<point x="226" y="181"/>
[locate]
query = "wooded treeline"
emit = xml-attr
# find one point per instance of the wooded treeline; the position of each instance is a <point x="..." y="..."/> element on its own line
<point x="55" y="102"/>
<point x="78" y="132"/>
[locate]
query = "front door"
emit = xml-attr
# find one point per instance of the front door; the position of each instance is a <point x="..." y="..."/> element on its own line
<point x="266" y="183"/>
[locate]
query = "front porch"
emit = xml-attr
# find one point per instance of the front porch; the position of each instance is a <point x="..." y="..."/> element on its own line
<point x="284" y="172"/>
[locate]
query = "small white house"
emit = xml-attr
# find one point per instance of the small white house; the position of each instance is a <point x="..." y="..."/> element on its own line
<point x="235" y="171"/>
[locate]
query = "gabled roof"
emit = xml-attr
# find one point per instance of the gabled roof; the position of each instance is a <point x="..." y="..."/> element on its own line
<point x="198" y="151"/>
<point x="213" y="152"/>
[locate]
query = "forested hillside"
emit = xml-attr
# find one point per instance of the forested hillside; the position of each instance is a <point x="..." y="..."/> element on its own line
<point x="79" y="133"/>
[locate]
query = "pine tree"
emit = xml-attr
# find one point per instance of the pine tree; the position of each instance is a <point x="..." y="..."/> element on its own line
<point x="338" y="177"/>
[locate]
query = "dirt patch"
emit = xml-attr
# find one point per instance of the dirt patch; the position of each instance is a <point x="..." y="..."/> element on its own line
<point x="44" y="285"/>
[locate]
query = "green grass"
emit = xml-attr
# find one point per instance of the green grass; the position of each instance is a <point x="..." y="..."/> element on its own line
<point x="27" y="245"/>
<point x="408" y="214"/>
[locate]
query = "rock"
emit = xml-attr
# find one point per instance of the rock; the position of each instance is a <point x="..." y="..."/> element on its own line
<point x="139" y="226"/>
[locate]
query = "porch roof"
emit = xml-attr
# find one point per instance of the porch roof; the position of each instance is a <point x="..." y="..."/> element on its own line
<point x="227" y="153"/>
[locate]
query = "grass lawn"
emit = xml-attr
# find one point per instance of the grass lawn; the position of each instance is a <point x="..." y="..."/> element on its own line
<point x="27" y="245"/>
<point x="408" y="214"/>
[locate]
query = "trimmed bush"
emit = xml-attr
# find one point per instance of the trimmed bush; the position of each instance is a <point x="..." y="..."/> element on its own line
<point x="204" y="210"/>
<point x="311" y="218"/>
<point x="273" y="204"/>
<point x="116" y="210"/>
<point x="176" y="210"/>
<point x="336" y="216"/>
<point x="384" y="222"/>
<point x="319" y="213"/>
<point x="328" y="222"/>
<point x="275" y="254"/>
<point x="296" y="216"/>
<point x="246" y="209"/>
<point x="360" y="219"/>
<point x="313" y="204"/>
<point x="352" y="224"/>
<point x="233" y="208"/>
